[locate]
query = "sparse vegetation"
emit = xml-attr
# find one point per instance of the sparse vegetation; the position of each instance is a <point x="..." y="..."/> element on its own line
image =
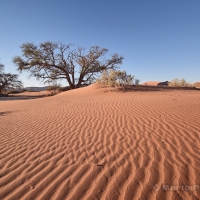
<point x="137" y="81"/>
<point x="120" y="79"/>
<point x="14" y="91"/>
<point x="8" y="80"/>
<point x="179" y="83"/>
<point x="53" y="61"/>
<point x="196" y="84"/>
<point x="54" y="89"/>
<point x="63" y="89"/>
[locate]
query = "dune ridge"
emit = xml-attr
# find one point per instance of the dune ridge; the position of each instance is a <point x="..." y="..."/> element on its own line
<point x="90" y="144"/>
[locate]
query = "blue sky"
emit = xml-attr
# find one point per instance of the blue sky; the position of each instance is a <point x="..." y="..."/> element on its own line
<point x="159" y="39"/>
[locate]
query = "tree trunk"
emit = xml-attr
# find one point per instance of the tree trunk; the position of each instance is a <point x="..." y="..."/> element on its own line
<point x="1" y="87"/>
<point x="79" y="81"/>
<point x="78" y="85"/>
<point x="72" y="86"/>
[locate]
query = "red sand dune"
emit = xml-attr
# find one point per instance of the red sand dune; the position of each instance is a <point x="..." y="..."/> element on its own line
<point x="153" y="83"/>
<point x="89" y="143"/>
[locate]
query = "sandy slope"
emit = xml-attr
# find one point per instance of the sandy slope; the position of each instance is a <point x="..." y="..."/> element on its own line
<point x="91" y="144"/>
<point x="42" y="93"/>
<point x="154" y="83"/>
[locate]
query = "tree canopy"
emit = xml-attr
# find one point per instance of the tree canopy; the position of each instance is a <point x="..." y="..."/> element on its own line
<point x="8" y="79"/>
<point x="51" y="61"/>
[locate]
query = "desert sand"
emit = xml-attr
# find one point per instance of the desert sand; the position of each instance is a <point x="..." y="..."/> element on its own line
<point x="154" y="83"/>
<point x="91" y="143"/>
<point x="42" y="93"/>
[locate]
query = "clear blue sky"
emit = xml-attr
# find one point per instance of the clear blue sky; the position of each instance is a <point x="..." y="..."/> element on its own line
<point x="159" y="39"/>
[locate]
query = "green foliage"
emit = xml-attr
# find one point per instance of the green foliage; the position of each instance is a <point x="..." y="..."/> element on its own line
<point x="179" y="83"/>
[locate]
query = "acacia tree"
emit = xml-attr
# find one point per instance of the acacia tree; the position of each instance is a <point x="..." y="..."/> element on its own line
<point x="52" y="61"/>
<point x="1" y="68"/>
<point x="8" y="79"/>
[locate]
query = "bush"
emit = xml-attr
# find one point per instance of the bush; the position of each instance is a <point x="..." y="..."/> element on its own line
<point x="63" y="89"/>
<point x="196" y="84"/>
<point x="118" y="78"/>
<point x="14" y="91"/>
<point x="54" y="89"/>
<point x="4" y="91"/>
<point x="179" y="83"/>
<point x="137" y="81"/>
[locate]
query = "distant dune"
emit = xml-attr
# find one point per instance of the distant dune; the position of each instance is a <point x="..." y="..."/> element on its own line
<point x="39" y="93"/>
<point x="156" y="83"/>
<point x="153" y="83"/>
<point x="90" y="143"/>
<point x="36" y="89"/>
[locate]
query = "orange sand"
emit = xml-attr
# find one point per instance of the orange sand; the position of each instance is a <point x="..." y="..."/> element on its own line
<point x="153" y="83"/>
<point x="92" y="144"/>
<point x="42" y="93"/>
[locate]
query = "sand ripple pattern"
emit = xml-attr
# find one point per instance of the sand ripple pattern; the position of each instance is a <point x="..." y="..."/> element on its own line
<point x="93" y="144"/>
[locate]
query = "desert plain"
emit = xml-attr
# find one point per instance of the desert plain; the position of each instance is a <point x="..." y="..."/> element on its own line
<point x="92" y="143"/>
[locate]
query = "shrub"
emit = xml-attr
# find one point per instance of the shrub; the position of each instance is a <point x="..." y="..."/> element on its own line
<point x="14" y="91"/>
<point x="137" y="81"/>
<point x="4" y="91"/>
<point x="54" y="89"/>
<point x="63" y="89"/>
<point x="196" y="84"/>
<point x="118" y="78"/>
<point x="179" y="83"/>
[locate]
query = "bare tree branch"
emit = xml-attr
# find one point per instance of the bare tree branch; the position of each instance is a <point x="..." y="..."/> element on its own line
<point x="51" y="61"/>
<point x="8" y="79"/>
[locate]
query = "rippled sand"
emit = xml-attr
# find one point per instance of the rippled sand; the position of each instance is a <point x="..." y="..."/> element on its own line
<point x="89" y="143"/>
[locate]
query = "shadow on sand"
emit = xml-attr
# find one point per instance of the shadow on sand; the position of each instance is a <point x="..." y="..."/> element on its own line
<point x="161" y="87"/>
<point x="5" y="113"/>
